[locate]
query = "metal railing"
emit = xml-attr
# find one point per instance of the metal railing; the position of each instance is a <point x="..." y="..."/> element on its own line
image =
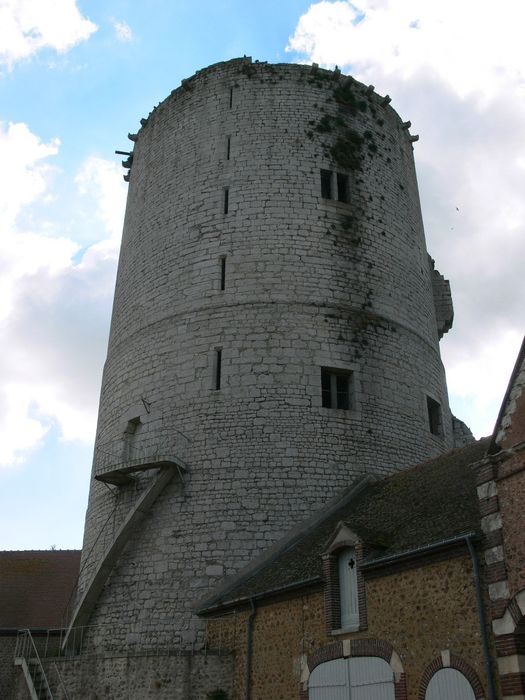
<point x="122" y="454"/>
<point x="108" y="639"/>
<point x="61" y="681"/>
<point x="119" y="453"/>
<point x="25" y="649"/>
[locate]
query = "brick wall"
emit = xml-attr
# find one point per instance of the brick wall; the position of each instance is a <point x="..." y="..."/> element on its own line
<point x="501" y="491"/>
<point x="420" y="613"/>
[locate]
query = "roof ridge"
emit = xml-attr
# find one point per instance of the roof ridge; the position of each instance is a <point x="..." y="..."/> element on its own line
<point x="286" y="543"/>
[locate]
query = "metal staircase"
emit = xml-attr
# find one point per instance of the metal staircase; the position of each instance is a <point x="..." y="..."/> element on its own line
<point x="27" y="656"/>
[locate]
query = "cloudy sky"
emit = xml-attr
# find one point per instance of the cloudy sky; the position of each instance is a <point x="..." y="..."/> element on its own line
<point x="77" y="75"/>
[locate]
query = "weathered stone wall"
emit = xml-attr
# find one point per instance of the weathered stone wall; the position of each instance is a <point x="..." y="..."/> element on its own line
<point x="512" y="428"/>
<point x="310" y="282"/>
<point x="7" y="670"/>
<point x="442" y="300"/>
<point x="160" y="677"/>
<point x="501" y="491"/>
<point x="421" y="612"/>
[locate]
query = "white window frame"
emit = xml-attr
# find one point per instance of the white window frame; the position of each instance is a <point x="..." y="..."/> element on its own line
<point x="348" y="593"/>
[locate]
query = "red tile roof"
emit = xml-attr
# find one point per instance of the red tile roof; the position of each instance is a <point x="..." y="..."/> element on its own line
<point x="35" y="587"/>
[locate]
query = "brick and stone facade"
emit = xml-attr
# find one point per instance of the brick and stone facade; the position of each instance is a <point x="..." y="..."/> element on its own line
<point x="417" y="543"/>
<point x="422" y="619"/>
<point x="238" y="271"/>
<point x="501" y="492"/>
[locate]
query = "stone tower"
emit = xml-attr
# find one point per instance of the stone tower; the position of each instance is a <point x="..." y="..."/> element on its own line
<point x="274" y="335"/>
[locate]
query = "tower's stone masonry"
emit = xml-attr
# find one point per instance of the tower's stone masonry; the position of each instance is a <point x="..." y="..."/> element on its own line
<point x="273" y="229"/>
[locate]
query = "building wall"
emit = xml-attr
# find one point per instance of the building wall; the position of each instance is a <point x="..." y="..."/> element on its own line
<point x="310" y="282"/>
<point x="501" y="490"/>
<point x="7" y="669"/>
<point x="160" y="677"/>
<point x="421" y="612"/>
<point x="511" y="485"/>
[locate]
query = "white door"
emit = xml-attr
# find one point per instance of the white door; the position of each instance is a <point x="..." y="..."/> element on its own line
<point x="363" y="678"/>
<point x="449" y="684"/>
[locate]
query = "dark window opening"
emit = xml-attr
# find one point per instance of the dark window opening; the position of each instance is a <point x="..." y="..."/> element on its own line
<point x="342" y="187"/>
<point x="231" y="98"/>
<point x="326" y="184"/>
<point x="335" y="186"/>
<point x="226" y="199"/>
<point x="133" y="426"/>
<point x="223" y="272"/>
<point x="218" y="360"/>
<point x="434" y="416"/>
<point x="131" y="434"/>
<point x="336" y="389"/>
<point x="326" y="387"/>
<point x="228" y="146"/>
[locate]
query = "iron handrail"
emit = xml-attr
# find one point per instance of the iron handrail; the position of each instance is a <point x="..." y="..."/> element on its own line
<point x="61" y="681"/>
<point x="24" y="650"/>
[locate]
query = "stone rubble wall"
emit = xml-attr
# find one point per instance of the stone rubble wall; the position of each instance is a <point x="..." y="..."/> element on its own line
<point x="161" y="677"/>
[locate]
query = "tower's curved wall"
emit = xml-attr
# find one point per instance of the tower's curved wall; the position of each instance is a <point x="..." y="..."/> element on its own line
<point x="309" y="282"/>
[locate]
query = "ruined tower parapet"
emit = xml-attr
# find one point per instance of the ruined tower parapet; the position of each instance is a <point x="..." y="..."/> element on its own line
<point x="273" y="333"/>
<point x="442" y="300"/>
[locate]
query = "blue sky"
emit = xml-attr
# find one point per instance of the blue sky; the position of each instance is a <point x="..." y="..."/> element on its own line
<point x="76" y="77"/>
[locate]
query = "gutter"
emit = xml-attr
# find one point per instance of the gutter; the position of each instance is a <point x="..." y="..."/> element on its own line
<point x="416" y="552"/>
<point x="249" y="652"/>
<point x="482" y="621"/>
<point x="259" y="596"/>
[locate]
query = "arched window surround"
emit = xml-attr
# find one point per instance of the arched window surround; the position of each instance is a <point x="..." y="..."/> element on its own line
<point x="354" y="648"/>
<point x="456" y="662"/>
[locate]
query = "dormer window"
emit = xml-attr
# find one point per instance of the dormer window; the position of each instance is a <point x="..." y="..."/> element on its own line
<point x="348" y="598"/>
<point x="344" y="593"/>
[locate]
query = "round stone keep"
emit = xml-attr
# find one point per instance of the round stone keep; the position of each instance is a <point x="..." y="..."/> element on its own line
<point x="273" y="338"/>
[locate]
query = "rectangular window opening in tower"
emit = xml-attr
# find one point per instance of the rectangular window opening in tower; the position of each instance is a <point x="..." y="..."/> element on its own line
<point x="226" y="199"/>
<point x="434" y="417"/>
<point x="231" y="97"/>
<point x="337" y="388"/>
<point x="335" y="186"/>
<point x="326" y="184"/>
<point x="342" y="187"/>
<point x="228" y="147"/>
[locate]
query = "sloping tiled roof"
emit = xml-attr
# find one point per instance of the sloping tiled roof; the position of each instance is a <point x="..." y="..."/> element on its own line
<point x="433" y="501"/>
<point x="35" y="587"/>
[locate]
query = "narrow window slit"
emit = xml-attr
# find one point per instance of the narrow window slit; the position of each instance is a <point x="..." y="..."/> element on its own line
<point x="228" y="146"/>
<point x="218" y="361"/>
<point x="223" y="272"/>
<point x="226" y="199"/>
<point x="231" y="97"/>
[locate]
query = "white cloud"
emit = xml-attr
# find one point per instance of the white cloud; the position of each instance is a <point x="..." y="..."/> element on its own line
<point x="26" y="26"/>
<point x="123" y="31"/>
<point x="55" y="296"/>
<point x="457" y="71"/>
<point x="101" y="180"/>
<point x="480" y="376"/>
<point x="472" y="48"/>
